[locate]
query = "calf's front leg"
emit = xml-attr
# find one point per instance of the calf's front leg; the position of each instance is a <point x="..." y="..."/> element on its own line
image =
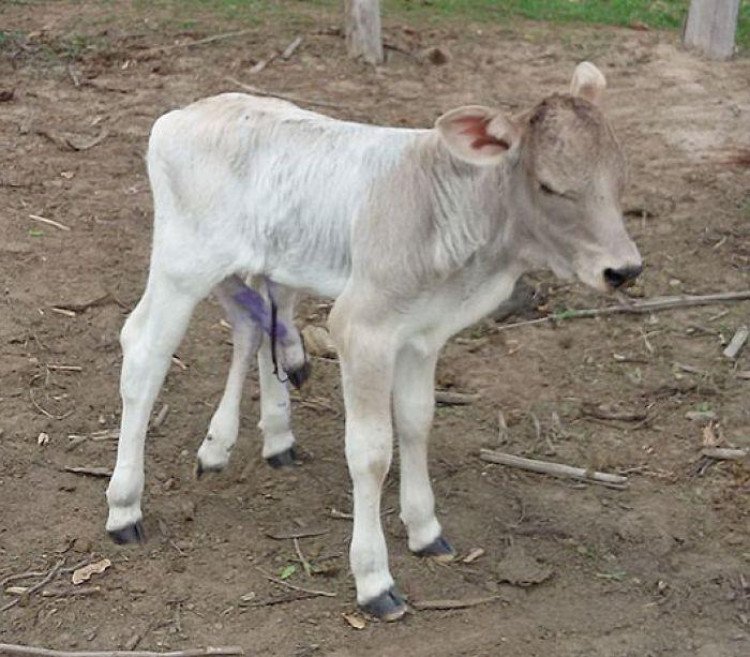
<point x="367" y="373"/>
<point x="413" y="407"/>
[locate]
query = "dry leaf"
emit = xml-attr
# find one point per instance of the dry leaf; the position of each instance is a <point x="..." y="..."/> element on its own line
<point x="355" y="620"/>
<point x="84" y="573"/>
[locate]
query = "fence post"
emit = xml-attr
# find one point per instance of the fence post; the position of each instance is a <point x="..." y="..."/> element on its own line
<point x="711" y="26"/>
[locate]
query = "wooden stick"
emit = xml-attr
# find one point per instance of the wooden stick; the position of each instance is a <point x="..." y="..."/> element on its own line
<point x="450" y="398"/>
<point x="738" y="341"/>
<point x="262" y="63"/>
<point x="289" y="97"/>
<point x="64" y="368"/>
<point x="49" y="222"/>
<point x="53" y="572"/>
<point x="428" y="605"/>
<point x="91" y="471"/>
<point x="160" y="416"/>
<point x="281" y="582"/>
<point x="724" y="453"/>
<point x="19" y="650"/>
<point x="289" y="50"/>
<point x="637" y="307"/>
<point x="554" y="469"/>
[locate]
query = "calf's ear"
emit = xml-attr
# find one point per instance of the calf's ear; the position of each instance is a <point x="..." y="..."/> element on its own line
<point x="588" y="82"/>
<point x="476" y="134"/>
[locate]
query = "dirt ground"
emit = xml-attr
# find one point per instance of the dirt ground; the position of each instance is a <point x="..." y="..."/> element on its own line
<point x="662" y="568"/>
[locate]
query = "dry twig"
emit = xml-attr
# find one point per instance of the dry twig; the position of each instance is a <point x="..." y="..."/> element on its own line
<point x="17" y="650"/>
<point x="94" y="471"/>
<point x="450" y="398"/>
<point x="190" y="44"/>
<point x="49" y="222"/>
<point x="291" y="48"/>
<point x="293" y="587"/>
<point x="53" y="572"/>
<point x="430" y="605"/>
<point x="637" y="307"/>
<point x="305" y="563"/>
<point x="297" y="533"/>
<point x="555" y="469"/>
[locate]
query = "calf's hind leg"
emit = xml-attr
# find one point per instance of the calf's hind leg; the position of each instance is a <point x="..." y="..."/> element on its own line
<point x="213" y="454"/>
<point x="149" y="338"/>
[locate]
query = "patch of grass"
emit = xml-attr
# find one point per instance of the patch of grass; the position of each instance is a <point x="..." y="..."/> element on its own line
<point x="657" y="14"/>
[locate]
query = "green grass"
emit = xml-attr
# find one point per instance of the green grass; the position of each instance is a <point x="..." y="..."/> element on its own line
<point x="656" y="14"/>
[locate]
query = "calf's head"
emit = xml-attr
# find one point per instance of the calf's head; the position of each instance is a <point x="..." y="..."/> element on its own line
<point x="567" y="173"/>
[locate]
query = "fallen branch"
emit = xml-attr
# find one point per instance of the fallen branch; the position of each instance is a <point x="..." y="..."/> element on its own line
<point x="724" y="453"/>
<point x="52" y="574"/>
<point x="16" y="649"/>
<point x="450" y="398"/>
<point x="637" y="307"/>
<point x="555" y="469"/>
<point x="737" y="342"/>
<point x="289" y="97"/>
<point x="293" y="587"/>
<point x="429" y="605"/>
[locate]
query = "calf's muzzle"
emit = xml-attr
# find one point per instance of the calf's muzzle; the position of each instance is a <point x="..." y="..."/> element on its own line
<point x="617" y="278"/>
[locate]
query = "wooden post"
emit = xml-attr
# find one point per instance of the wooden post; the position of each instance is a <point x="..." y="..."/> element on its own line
<point x="711" y="26"/>
<point x="362" y="29"/>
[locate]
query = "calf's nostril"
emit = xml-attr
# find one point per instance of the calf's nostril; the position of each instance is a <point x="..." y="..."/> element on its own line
<point x="618" y="277"/>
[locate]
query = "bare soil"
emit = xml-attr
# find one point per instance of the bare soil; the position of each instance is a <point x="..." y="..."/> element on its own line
<point x="662" y="568"/>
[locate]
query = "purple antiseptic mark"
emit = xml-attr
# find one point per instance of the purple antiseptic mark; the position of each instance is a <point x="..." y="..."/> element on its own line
<point x="259" y="311"/>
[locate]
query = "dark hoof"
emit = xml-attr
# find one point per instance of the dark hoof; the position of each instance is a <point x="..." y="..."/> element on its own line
<point x="388" y="606"/>
<point x="283" y="459"/>
<point x="298" y="377"/>
<point x="130" y="534"/>
<point x="439" y="549"/>
<point x="200" y="470"/>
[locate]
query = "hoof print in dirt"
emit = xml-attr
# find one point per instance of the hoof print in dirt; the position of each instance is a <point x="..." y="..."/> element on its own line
<point x="130" y="534"/>
<point x="388" y="606"/>
<point x="283" y="459"/>
<point x="439" y="549"/>
<point x="298" y="377"/>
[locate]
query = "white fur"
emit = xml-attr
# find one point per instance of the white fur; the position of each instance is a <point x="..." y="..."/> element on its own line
<point x="412" y="241"/>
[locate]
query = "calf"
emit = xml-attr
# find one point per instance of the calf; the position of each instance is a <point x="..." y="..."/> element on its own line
<point x="415" y="233"/>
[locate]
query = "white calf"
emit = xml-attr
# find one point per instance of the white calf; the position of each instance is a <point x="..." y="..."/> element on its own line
<point x="415" y="233"/>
